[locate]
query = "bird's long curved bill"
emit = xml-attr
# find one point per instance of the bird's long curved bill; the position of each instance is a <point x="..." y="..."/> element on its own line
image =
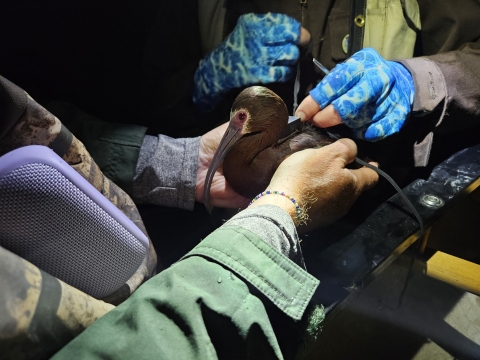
<point x="230" y="137"/>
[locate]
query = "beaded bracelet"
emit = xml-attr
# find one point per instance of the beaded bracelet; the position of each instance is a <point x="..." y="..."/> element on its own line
<point x="269" y="192"/>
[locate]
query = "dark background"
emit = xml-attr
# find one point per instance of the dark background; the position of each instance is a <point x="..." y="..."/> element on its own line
<point x="121" y="61"/>
<point x="133" y="62"/>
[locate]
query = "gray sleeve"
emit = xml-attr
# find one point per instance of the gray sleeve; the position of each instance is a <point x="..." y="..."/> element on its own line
<point x="274" y="226"/>
<point x="430" y="88"/>
<point x="430" y="92"/>
<point x="447" y="86"/>
<point x="166" y="172"/>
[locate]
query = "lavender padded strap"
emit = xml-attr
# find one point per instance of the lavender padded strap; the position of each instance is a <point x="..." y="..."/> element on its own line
<point x="52" y="217"/>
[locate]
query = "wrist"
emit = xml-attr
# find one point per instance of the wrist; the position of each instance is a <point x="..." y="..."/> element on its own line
<point x="202" y="168"/>
<point x="429" y="84"/>
<point x="404" y="80"/>
<point x="285" y="202"/>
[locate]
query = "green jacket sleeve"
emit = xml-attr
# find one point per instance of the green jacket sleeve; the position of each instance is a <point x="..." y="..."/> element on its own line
<point x="214" y="303"/>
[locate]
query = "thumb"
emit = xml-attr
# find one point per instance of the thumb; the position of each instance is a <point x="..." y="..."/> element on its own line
<point x="311" y="111"/>
<point x="307" y="108"/>
<point x="304" y="37"/>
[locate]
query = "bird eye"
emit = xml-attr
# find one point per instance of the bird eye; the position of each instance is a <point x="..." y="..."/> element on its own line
<point x="242" y="116"/>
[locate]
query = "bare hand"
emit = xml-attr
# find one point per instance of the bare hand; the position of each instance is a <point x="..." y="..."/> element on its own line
<point x="318" y="180"/>
<point x="221" y="194"/>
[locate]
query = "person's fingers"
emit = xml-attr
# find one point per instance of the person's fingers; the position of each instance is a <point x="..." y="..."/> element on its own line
<point x="344" y="149"/>
<point x="278" y="55"/>
<point x="210" y="140"/>
<point x="277" y="73"/>
<point x="326" y="117"/>
<point x="310" y="110"/>
<point x="222" y="195"/>
<point x="275" y="29"/>
<point x="307" y="109"/>
<point x="304" y="37"/>
<point x="366" y="178"/>
<point x="222" y="128"/>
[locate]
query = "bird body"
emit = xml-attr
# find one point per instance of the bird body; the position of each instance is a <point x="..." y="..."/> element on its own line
<point x="250" y="174"/>
<point x="252" y="148"/>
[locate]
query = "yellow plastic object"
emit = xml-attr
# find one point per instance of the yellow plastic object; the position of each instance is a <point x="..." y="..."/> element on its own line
<point x="454" y="271"/>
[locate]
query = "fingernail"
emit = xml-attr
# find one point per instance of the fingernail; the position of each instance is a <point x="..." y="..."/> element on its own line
<point x="301" y="115"/>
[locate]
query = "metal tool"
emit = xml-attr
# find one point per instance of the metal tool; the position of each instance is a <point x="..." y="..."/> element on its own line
<point x="321" y="67"/>
<point x="293" y="125"/>
<point x="294" y="122"/>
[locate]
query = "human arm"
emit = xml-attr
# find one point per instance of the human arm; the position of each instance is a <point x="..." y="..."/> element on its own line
<point x="332" y="188"/>
<point x="212" y="303"/>
<point x="446" y="85"/>
<point x="171" y="172"/>
<point x="237" y="294"/>
<point x="370" y="95"/>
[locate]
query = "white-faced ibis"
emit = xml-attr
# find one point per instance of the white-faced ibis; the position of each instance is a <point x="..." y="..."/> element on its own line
<point x="252" y="148"/>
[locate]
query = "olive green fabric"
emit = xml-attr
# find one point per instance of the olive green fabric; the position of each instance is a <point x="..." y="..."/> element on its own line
<point x="390" y="27"/>
<point x="278" y="278"/>
<point x="114" y="147"/>
<point x="204" y="306"/>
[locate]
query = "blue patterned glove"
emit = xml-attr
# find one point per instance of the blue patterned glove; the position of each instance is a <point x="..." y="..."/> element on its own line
<point x="371" y="95"/>
<point x="261" y="49"/>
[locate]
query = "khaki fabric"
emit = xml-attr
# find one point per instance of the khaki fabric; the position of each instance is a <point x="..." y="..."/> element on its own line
<point x="390" y="27"/>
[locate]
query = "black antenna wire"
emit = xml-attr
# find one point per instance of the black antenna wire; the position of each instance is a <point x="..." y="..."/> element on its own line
<point x="417" y="216"/>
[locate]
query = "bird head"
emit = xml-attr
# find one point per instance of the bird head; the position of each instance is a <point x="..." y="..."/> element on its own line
<point x="255" y="111"/>
<point x="258" y="109"/>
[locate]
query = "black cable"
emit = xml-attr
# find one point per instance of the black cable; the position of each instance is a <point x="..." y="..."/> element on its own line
<point x="415" y="213"/>
<point x="399" y="190"/>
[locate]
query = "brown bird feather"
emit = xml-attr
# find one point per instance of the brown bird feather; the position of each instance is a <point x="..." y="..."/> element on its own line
<point x="251" y="148"/>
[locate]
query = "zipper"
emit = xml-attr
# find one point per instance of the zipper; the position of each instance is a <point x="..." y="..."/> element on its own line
<point x="296" y="86"/>
<point x="303" y="4"/>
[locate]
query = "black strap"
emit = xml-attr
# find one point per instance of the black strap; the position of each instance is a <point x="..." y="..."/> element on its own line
<point x="356" y="33"/>
<point x="47" y="328"/>
<point x="62" y="142"/>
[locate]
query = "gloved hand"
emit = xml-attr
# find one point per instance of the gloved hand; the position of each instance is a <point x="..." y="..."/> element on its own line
<point x="261" y="49"/>
<point x="370" y="95"/>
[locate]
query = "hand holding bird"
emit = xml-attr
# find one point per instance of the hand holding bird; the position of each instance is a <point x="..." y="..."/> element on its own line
<point x="320" y="183"/>
<point x="251" y="151"/>
<point x="221" y="193"/>
<point x="251" y="145"/>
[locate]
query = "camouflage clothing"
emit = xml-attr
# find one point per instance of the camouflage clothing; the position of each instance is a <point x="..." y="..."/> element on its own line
<point x="31" y="124"/>
<point x="39" y="313"/>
